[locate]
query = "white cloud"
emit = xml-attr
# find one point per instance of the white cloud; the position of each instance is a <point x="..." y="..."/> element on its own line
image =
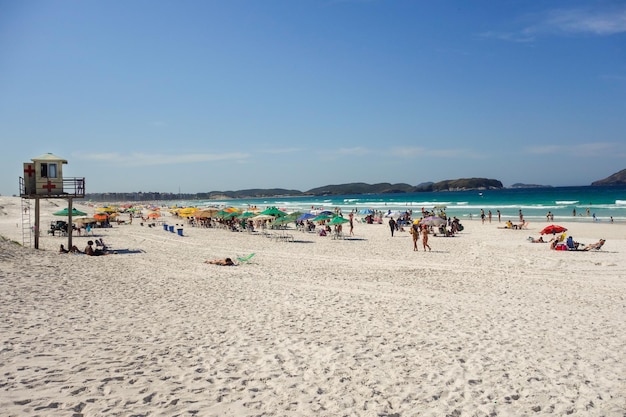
<point x="355" y="151"/>
<point x="600" y="22"/>
<point x="597" y="22"/>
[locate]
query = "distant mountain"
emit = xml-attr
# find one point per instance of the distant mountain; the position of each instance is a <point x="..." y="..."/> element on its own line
<point x="385" y="187"/>
<point x="464" y="184"/>
<point x="618" y="178"/>
<point x="424" y="186"/>
<point x="461" y="184"/>
<point x="361" y="188"/>
<point x="468" y="184"/>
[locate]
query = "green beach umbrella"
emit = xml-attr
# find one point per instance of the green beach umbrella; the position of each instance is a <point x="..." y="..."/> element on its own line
<point x="273" y="211"/>
<point x="247" y="215"/>
<point x="65" y="212"/>
<point x="281" y="221"/>
<point x="321" y="217"/>
<point x="222" y="214"/>
<point x="338" y="220"/>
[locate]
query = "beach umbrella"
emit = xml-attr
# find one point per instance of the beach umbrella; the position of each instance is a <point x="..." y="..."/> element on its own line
<point x="263" y="217"/>
<point x="326" y="212"/>
<point x="281" y="221"/>
<point x="107" y="209"/>
<point x="207" y="212"/>
<point x="553" y="229"/>
<point x="291" y="217"/>
<point x="305" y="216"/>
<point x="222" y="214"/>
<point x="154" y="215"/>
<point x="321" y="217"/>
<point x="432" y="221"/>
<point x="186" y="211"/>
<point x="65" y="212"/>
<point x="84" y="220"/>
<point x="338" y="220"/>
<point x="273" y="211"/>
<point x="101" y="217"/>
<point x="247" y="215"/>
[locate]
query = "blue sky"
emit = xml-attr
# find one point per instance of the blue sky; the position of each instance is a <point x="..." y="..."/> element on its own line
<point x="196" y="96"/>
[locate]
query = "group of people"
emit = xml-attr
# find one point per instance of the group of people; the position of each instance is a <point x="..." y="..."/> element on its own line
<point x="509" y="225"/>
<point x="90" y="250"/>
<point x="562" y="243"/>
<point x="415" y="233"/>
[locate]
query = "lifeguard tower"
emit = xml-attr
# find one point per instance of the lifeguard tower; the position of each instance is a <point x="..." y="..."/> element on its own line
<point x="43" y="178"/>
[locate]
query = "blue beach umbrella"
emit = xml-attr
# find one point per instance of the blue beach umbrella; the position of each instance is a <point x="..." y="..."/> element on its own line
<point x="305" y="216"/>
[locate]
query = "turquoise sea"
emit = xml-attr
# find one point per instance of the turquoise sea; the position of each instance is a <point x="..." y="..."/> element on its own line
<point x="535" y="203"/>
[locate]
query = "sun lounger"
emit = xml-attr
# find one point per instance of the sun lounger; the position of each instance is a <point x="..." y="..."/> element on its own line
<point x="245" y="259"/>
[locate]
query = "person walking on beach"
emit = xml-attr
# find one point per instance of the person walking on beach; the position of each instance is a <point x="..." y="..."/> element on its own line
<point x="499" y="215"/>
<point x="351" y="218"/>
<point x="489" y="215"/>
<point x="425" y="238"/>
<point x="521" y="216"/>
<point x="415" y="232"/>
<point x="482" y="215"/>
<point x="392" y="225"/>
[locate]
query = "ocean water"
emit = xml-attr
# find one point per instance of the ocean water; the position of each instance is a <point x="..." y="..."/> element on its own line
<point x="535" y="203"/>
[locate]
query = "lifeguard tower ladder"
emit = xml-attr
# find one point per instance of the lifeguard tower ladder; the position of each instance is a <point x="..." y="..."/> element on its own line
<point x="43" y="178"/>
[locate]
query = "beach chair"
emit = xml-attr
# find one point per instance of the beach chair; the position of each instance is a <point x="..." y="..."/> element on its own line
<point x="571" y="245"/>
<point x="337" y="235"/>
<point x="245" y="259"/>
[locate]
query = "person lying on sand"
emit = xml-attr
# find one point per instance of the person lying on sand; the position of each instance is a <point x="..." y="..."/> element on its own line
<point x="538" y="240"/>
<point x="223" y="262"/>
<point x="596" y="245"/>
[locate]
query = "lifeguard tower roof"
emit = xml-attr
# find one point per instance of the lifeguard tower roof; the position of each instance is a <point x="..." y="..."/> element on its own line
<point x="49" y="157"/>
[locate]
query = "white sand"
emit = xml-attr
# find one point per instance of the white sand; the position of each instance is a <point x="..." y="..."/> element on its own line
<point x="487" y="324"/>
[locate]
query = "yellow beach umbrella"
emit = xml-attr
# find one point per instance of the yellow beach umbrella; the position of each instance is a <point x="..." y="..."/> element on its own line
<point x="187" y="211"/>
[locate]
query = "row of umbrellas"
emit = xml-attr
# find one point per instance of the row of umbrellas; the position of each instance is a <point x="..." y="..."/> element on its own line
<point x="277" y="216"/>
<point x="80" y="217"/>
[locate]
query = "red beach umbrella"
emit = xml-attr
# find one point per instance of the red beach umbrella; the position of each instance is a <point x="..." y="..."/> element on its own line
<point x="553" y="229"/>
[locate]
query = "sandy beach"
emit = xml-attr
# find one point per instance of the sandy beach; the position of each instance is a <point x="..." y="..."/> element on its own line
<point x="485" y="324"/>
